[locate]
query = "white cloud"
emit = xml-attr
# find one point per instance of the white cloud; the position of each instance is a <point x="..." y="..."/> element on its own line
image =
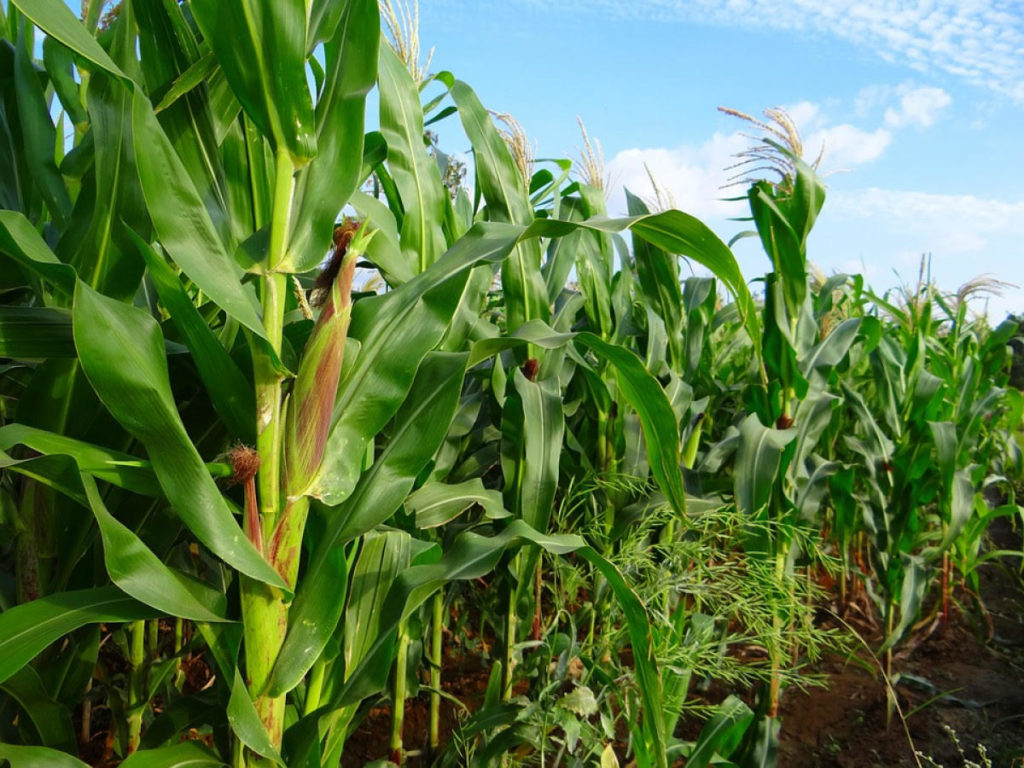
<point x="979" y="41"/>
<point x="846" y="146"/>
<point x="954" y="224"/>
<point x="693" y="175"/>
<point x="918" y="106"/>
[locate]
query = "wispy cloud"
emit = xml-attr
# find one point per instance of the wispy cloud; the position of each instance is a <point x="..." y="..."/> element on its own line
<point x="907" y="104"/>
<point x="919" y="106"/>
<point x="947" y="225"/>
<point x="846" y="146"/>
<point x="980" y="41"/>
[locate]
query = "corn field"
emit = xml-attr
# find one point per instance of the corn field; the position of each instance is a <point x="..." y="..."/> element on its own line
<point x="292" y="413"/>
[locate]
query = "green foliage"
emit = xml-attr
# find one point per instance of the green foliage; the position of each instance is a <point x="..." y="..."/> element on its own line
<point x="243" y="497"/>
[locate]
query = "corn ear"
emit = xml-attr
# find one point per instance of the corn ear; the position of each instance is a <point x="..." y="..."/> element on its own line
<point x="311" y="404"/>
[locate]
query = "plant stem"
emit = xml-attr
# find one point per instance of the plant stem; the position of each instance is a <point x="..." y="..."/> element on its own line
<point x="179" y="676"/>
<point x="399" y="696"/>
<point x="945" y="588"/>
<point x="436" y="654"/>
<point x="511" y="630"/>
<point x="264" y="611"/>
<point x="891" y="699"/>
<point x="137" y="684"/>
<point x="777" y="650"/>
<point x="270" y="427"/>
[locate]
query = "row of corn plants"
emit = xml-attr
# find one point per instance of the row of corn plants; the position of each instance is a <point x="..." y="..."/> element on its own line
<point x="291" y="415"/>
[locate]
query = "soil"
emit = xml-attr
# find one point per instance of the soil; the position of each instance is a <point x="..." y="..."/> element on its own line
<point x="962" y="682"/>
<point x="463" y="677"/>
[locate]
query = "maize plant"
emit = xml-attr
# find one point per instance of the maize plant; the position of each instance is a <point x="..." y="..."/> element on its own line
<point x="285" y="407"/>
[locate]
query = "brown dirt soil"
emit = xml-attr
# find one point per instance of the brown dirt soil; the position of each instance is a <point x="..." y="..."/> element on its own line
<point x="463" y="677"/>
<point x="968" y="676"/>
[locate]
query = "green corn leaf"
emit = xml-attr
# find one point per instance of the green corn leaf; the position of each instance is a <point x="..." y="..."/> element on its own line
<point x="141" y="574"/>
<point x="501" y="182"/>
<point x="944" y="435"/>
<point x="115" y="467"/>
<point x="808" y="198"/>
<point x="27" y="629"/>
<point x="961" y="507"/>
<point x="103" y="254"/>
<point x="678" y="232"/>
<point x="757" y="463"/>
<point x="326" y="184"/>
<point x="436" y="504"/>
<point x="421" y="423"/>
<point x="56" y="19"/>
<point x="58" y="61"/>
<point x="661" y="432"/>
<point x="182" y="222"/>
<point x="915" y="583"/>
<point x="20" y="241"/>
<point x="39" y="134"/>
<point x="51" y="720"/>
<point x="594" y="274"/>
<point x="197" y="73"/>
<point x="38" y="757"/>
<point x="831" y="351"/>
<point x="196" y="121"/>
<point x="781" y="242"/>
<point x="416" y="175"/>
<point x="188" y="754"/>
<point x="532" y="428"/>
<point x="674" y="232"/>
<point x="384" y="250"/>
<point x="324" y="16"/>
<point x="35" y="333"/>
<point x="722" y="733"/>
<point x="132" y="566"/>
<point x="52" y="471"/>
<point x="658" y="274"/>
<point x="121" y="351"/>
<point x="382" y="558"/>
<point x="261" y="47"/>
<point x="811" y="487"/>
<point x="760" y="743"/>
<point x="232" y="394"/>
<point x="812" y="417"/>
<point x="245" y="721"/>
<point x="535" y="332"/>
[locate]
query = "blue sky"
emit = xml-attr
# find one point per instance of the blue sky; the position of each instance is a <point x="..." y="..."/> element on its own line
<point x="919" y="105"/>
